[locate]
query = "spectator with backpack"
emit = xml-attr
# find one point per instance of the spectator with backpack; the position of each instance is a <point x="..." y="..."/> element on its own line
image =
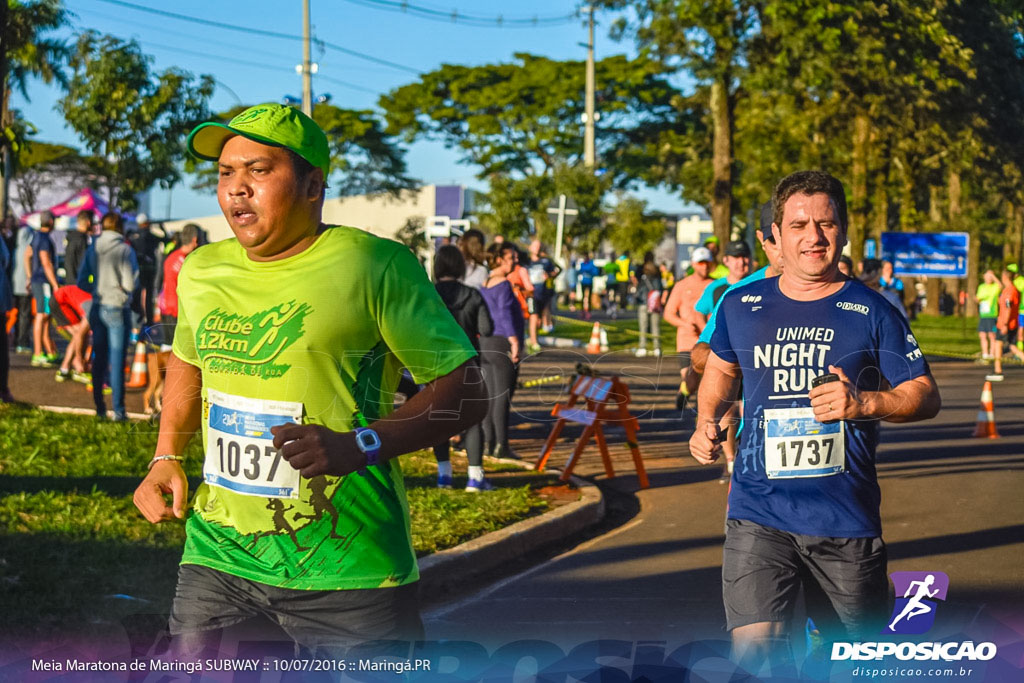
<point x="650" y="302"/>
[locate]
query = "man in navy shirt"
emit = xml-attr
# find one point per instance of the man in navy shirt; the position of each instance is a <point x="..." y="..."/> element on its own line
<point x="41" y="266"/>
<point x="804" y="502"/>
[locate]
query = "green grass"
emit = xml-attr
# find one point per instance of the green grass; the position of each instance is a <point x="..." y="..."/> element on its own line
<point x="947" y="335"/>
<point x="75" y="553"/>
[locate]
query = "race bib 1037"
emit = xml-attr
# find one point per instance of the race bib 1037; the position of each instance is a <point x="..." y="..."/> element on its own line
<point x="240" y="453"/>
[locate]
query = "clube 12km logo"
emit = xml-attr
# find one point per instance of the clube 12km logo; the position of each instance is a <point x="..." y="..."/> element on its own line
<point x="918" y="595"/>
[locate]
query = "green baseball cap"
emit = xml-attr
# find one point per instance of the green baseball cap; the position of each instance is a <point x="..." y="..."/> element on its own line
<point x="271" y="124"/>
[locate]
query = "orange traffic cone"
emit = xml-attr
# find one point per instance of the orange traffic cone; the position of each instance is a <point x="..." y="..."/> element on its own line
<point x="140" y="372"/>
<point x="986" y="416"/>
<point x="594" y="346"/>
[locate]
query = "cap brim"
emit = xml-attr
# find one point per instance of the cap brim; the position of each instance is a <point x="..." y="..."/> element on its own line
<point x="207" y="140"/>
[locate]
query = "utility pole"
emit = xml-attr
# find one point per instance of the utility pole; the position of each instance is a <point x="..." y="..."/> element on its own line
<point x="589" y="156"/>
<point x="307" y="76"/>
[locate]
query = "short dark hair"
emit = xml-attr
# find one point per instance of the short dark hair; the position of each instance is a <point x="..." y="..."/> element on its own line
<point x="189" y="232"/>
<point x="303" y="168"/>
<point x="449" y="262"/>
<point x="809" y="182"/>
<point x="113" y="218"/>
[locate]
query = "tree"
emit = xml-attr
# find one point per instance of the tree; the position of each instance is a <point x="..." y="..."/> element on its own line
<point x="42" y="164"/>
<point x="523" y="118"/>
<point x="25" y="52"/>
<point x="869" y="75"/>
<point x="520" y="124"/>
<point x="134" y="120"/>
<point x="708" y="40"/>
<point x="631" y="229"/>
<point x="364" y="159"/>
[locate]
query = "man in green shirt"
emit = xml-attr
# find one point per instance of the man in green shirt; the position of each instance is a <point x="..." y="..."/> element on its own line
<point x="289" y="345"/>
<point x="987" y="297"/>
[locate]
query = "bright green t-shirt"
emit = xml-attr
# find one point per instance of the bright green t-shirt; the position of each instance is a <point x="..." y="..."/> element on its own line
<point x="327" y="330"/>
<point x="988" y="299"/>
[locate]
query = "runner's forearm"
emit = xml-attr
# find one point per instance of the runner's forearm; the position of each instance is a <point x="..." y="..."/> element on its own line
<point x="445" y="407"/>
<point x="917" y="399"/>
<point x="718" y="390"/>
<point x="182" y="406"/>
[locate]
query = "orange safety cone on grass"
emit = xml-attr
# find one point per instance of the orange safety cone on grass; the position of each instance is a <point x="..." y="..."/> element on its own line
<point x="140" y="370"/>
<point x="986" y="416"/>
<point x="594" y="345"/>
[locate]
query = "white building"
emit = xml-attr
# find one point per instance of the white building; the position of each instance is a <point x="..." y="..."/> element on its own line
<point x="382" y="215"/>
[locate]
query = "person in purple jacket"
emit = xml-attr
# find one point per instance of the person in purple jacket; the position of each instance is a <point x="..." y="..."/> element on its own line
<point x="499" y="353"/>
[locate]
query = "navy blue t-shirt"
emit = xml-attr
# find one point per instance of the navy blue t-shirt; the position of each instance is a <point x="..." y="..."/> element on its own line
<point x="781" y="344"/>
<point x="41" y="242"/>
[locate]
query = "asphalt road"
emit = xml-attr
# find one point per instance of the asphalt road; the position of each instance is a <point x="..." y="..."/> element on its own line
<point x="951" y="503"/>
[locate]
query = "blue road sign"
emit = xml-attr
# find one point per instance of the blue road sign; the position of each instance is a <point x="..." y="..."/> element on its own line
<point x="939" y="254"/>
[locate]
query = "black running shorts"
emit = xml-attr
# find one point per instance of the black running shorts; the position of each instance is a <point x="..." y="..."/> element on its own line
<point x="844" y="579"/>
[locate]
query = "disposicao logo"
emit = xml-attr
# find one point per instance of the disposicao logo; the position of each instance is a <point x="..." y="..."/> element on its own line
<point x="917" y="596"/>
<point x="915" y="612"/>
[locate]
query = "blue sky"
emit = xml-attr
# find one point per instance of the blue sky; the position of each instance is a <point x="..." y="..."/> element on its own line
<point x="250" y="68"/>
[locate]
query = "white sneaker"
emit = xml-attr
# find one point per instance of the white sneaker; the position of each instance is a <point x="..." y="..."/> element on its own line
<point x="641" y="353"/>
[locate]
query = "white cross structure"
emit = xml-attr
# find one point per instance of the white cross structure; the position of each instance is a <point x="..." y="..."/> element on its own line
<point x="562" y="208"/>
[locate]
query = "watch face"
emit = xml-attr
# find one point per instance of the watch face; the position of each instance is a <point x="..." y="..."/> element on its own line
<point x="367" y="440"/>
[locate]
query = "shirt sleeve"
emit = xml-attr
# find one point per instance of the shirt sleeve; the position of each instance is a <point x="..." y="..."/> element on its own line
<point x="414" y="322"/>
<point x="899" y="357"/>
<point x="718" y="338"/>
<point x="706" y="303"/>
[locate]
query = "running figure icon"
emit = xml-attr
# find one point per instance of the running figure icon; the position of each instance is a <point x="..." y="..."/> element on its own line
<point x="915" y="606"/>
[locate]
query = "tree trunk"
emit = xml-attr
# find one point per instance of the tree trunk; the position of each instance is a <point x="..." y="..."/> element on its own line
<point x="908" y="212"/>
<point x="1012" y="245"/>
<point x="974" y="249"/>
<point x="721" y="196"/>
<point x="935" y="206"/>
<point x="858" y="208"/>
<point x="880" y="211"/>
<point x="1018" y="232"/>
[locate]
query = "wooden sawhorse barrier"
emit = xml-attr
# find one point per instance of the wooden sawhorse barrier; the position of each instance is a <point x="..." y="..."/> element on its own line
<point x="606" y="400"/>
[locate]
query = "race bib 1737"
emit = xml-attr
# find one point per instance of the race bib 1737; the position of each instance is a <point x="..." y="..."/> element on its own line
<point x="797" y="445"/>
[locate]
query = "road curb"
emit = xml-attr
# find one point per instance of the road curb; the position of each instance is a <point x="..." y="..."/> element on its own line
<point x="449" y="568"/>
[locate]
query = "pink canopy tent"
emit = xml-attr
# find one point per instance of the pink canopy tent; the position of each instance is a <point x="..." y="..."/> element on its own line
<point x="80" y="201"/>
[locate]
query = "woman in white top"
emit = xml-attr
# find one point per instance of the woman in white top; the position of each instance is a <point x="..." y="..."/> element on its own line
<point x="472" y="246"/>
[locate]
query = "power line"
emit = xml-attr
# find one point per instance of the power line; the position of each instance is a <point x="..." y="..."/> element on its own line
<point x="261" y="32"/>
<point x="234" y="60"/>
<point x="454" y="16"/>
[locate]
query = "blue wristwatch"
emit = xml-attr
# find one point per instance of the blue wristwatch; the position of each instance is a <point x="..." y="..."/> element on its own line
<point x="369" y="443"/>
